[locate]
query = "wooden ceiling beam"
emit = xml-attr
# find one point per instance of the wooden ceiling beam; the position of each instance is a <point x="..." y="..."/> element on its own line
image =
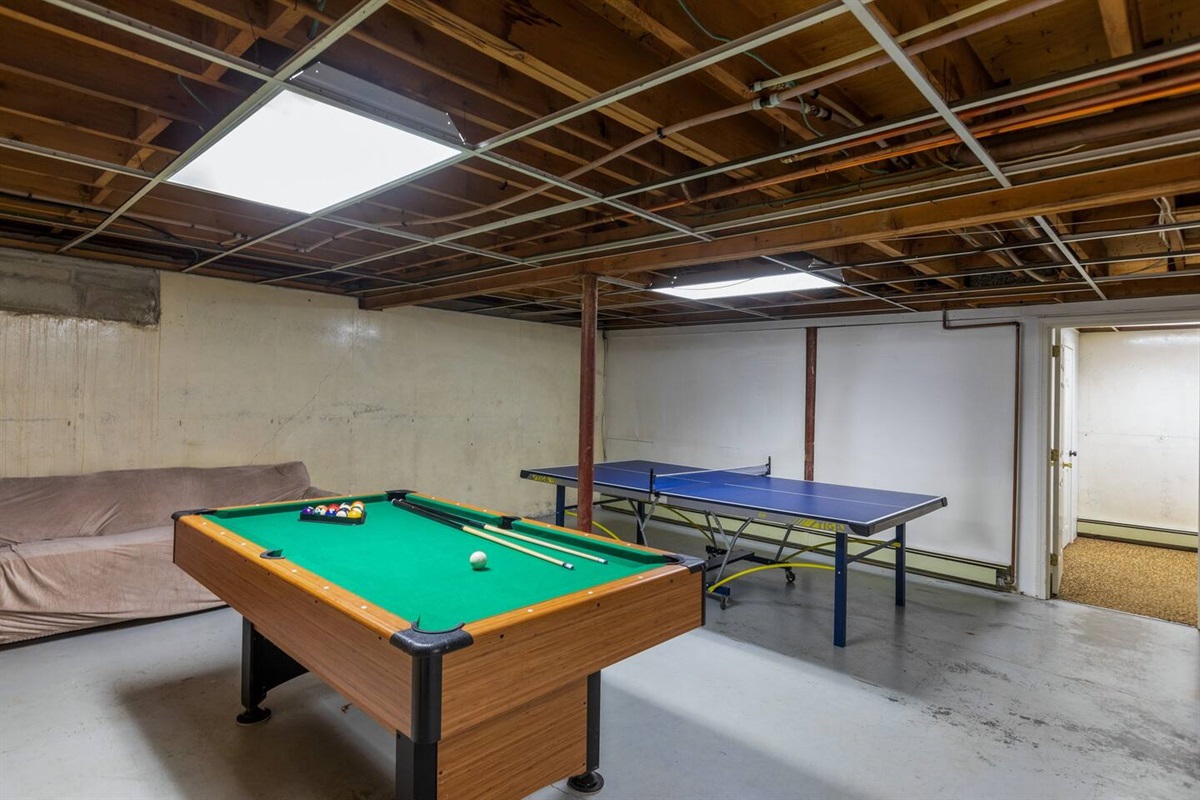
<point x="475" y="89"/>
<point x="100" y="74"/>
<point x="95" y="36"/>
<point x="953" y="69"/>
<point x="1122" y="28"/>
<point x="710" y="144"/>
<point x="491" y="99"/>
<point x="28" y="97"/>
<point x="920" y="267"/>
<point x="1176" y="175"/>
<point x="718" y="76"/>
<point x="235" y="44"/>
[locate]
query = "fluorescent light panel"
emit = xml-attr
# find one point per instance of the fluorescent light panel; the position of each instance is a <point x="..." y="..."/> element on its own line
<point x="763" y="284"/>
<point x="304" y="155"/>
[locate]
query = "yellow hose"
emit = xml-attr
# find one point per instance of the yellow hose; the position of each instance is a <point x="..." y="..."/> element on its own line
<point x="778" y="565"/>
<point x="785" y="564"/>
<point x="598" y="525"/>
<point x="807" y="549"/>
<point x="707" y="534"/>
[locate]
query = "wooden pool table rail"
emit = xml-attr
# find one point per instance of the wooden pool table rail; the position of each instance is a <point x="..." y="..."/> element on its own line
<point x="475" y="707"/>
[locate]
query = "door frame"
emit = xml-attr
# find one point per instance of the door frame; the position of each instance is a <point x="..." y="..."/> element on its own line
<point x="1049" y="328"/>
<point x="1060" y="458"/>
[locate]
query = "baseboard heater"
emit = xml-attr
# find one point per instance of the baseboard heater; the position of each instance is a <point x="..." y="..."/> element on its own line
<point x="1137" y="534"/>
<point x="920" y="562"/>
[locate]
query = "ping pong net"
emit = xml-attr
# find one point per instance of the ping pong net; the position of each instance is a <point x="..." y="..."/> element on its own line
<point x="667" y="482"/>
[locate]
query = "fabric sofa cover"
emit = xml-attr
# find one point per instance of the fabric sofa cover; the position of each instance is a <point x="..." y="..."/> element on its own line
<point x="86" y="550"/>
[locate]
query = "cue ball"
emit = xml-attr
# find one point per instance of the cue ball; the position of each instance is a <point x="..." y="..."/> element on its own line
<point x="478" y="559"/>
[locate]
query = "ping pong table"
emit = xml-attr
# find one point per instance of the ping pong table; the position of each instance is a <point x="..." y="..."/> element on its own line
<point x="752" y="494"/>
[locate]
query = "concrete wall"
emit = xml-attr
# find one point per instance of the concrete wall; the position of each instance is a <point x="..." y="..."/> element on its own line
<point x="899" y="401"/>
<point x="75" y="287"/>
<point x="1139" y="428"/>
<point x="443" y="402"/>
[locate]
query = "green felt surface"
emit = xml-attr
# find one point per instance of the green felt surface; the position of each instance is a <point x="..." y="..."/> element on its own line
<point x="419" y="568"/>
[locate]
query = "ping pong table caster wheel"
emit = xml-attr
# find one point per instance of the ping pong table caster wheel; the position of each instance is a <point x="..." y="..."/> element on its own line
<point x="724" y="602"/>
<point x="790" y="575"/>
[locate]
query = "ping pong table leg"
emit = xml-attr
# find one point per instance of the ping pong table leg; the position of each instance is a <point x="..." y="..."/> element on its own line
<point x="641" y="522"/>
<point x="839" y="591"/>
<point x="560" y="506"/>
<point x="900" y="564"/>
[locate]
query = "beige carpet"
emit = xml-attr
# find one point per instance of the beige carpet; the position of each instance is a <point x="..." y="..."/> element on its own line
<point x="1151" y="581"/>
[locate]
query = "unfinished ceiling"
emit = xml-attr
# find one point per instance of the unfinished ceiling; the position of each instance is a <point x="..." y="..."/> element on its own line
<point x="924" y="154"/>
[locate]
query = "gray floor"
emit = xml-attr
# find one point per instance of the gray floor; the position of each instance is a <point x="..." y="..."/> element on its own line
<point x="965" y="693"/>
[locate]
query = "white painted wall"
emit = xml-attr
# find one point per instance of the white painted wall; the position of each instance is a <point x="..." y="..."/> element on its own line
<point x="443" y="402"/>
<point x="1037" y="322"/>
<point x="1139" y="428"/>
<point x="710" y="399"/>
<point x="915" y="408"/>
<point x="903" y="407"/>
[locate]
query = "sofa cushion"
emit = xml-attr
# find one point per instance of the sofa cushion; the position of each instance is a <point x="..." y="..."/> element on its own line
<point x="60" y="585"/>
<point x="106" y="503"/>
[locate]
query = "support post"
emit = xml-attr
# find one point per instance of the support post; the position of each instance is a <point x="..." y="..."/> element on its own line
<point x="810" y="402"/>
<point x="587" y="401"/>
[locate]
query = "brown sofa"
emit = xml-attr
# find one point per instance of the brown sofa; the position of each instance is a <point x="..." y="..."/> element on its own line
<point x="78" y="551"/>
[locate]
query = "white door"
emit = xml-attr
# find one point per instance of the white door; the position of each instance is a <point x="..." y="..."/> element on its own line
<point x="1066" y="506"/>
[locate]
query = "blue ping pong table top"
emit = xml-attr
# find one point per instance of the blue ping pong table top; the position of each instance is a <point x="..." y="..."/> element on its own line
<point x="866" y="510"/>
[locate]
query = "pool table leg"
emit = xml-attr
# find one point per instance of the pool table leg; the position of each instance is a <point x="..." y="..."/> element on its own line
<point x="591" y="781"/>
<point x="264" y="666"/>
<point x="416" y="769"/>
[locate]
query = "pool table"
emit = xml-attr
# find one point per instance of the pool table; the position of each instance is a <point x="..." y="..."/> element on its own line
<point x="489" y="677"/>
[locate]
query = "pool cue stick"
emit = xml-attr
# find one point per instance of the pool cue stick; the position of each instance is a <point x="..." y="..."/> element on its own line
<point x="459" y="519"/>
<point x="517" y="547"/>
<point x="544" y="543"/>
<point x="446" y="519"/>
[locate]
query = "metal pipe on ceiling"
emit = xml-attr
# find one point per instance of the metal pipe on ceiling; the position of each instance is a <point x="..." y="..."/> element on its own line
<point x="1032" y="120"/>
<point x="492" y="254"/>
<point x="872" y="200"/>
<point x="1111" y="71"/>
<point x="218" y="57"/>
<point x="1130" y="122"/>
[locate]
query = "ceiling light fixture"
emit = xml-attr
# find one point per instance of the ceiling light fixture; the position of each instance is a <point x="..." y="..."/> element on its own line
<point x="774" y="283"/>
<point x="305" y="154"/>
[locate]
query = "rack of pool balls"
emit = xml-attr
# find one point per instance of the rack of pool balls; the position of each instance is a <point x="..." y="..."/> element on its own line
<point x="344" y="513"/>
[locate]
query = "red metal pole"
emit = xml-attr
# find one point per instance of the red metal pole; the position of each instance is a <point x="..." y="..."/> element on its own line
<point x="810" y="402"/>
<point x="587" y="401"/>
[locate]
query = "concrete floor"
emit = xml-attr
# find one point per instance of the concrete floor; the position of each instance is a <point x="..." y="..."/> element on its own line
<point x="964" y="694"/>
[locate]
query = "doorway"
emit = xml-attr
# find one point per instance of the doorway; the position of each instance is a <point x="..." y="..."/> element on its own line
<point x="1125" y="468"/>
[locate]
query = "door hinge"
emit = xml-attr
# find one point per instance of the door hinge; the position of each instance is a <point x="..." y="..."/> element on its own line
<point x="1054" y="559"/>
<point x="1053" y="455"/>
<point x="1055" y="351"/>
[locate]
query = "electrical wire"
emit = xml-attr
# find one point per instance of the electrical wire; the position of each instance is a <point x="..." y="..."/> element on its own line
<point x="314" y="27"/>
<point x="193" y="95"/>
<point x="723" y="39"/>
<point x="804" y="110"/>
